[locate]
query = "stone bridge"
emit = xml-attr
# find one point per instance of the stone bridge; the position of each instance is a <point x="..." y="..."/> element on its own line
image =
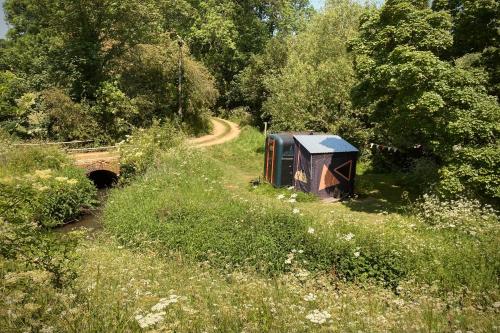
<point x="102" y="165"/>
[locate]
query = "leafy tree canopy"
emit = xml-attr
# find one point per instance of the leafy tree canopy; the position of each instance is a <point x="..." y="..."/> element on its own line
<point x="312" y="92"/>
<point x="418" y="99"/>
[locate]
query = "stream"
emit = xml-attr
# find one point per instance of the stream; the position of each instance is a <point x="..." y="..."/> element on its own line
<point x="90" y="219"/>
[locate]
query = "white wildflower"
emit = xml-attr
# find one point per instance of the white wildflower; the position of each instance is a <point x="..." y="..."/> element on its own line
<point x="43" y="174"/>
<point x="318" y="317"/>
<point x="348" y="237"/>
<point x="302" y="274"/>
<point x="496" y="305"/>
<point x="164" y="302"/>
<point x="289" y="258"/>
<point x="149" y="319"/>
<point x="61" y="179"/>
<point x="281" y="196"/>
<point x="289" y="188"/>
<point x="294" y="195"/>
<point x="295" y="211"/>
<point x="310" y="297"/>
<point x="356" y="254"/>
<point x="292" y="200"/>
<point x="310" y="230"/>
<point x="40" y="188"/>
<point x="47" y="329"/>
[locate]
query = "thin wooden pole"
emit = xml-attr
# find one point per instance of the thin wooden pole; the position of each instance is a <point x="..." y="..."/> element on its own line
<point x="181" y="43"/>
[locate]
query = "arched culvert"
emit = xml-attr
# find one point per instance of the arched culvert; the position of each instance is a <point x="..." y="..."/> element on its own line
<point x="103" y="178"/>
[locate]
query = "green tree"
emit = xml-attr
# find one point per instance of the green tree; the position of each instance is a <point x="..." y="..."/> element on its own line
<point x="226" y="33"/>
<point x="79" y="38"/>
<point x="252" y="84"/>
<point x="475" y="30"/>
<point x="148" y="75"/>
<point x="12" y="88"/>
<point x="416" y="98"/>
<point x="312" y="92"/>
<point x="104" y="57"/>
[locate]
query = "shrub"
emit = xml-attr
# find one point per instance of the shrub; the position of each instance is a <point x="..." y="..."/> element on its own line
<point x="140" y="150"/>
<point x="38" y="271"/>
<point x="39" y="188"/>
<point x="39" y="185"/>
<point x="27" y="246"/>
<point x="422" y="175"/>
<point x="57" y="117"/>
<point x="240" y="115"/>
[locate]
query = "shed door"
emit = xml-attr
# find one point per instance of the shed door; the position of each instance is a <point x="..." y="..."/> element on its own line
<point x="270" y="157"/>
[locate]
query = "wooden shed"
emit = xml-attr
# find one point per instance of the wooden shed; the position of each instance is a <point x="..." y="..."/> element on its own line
<point x="324" y="165"/>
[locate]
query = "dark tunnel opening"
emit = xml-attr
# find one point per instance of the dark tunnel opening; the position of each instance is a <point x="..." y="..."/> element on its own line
<point x="103" y="178"/>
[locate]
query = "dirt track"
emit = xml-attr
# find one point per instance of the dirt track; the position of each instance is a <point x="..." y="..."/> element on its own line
<point x="223" y="131"/>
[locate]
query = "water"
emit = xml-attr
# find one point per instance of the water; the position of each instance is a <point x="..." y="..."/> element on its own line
<point x="90" y="218"/>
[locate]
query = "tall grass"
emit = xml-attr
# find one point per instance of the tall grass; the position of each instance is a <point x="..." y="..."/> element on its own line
<point x="187" y="205"/>
<point x="207" y="252"/>
<point x="183" y="205"/>
<point x="117" y="288"/>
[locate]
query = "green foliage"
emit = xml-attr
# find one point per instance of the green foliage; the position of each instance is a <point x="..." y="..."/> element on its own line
<point x="35" y="267"/>
<point x="57" y="117"/>
<point x="40" y="186"/>
<point x="475" y="25"/>
<point x="96" y="70"/>
<point x="225" y="34"/>
<point x="252" y="82"/>
<point x="240" y="116"/>
<point x="83" y="36"/>
<point x="149" y="73"/>
<point x="313" y="90"/>
<point x="114" y="111"/>
<point x="466" y="216"/>
<point x="416" y="98"/>
<point x="140" y="151"/>
<point x="11" y="89"/>
<point x="26" y="247"/>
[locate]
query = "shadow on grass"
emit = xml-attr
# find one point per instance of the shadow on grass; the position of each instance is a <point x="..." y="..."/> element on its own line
<point x="377" y="193"/>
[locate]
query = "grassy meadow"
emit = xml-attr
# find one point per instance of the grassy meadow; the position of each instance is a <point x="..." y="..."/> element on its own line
<point x="191" y="245"/>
